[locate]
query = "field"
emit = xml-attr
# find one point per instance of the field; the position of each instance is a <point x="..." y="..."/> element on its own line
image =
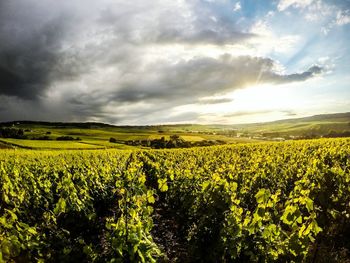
<point x="98" y="136"/>
<point x="50" y="144"/>
<point x="318" y="125"/>
<point x="4" y="145"/>
<point x="258" y="202"/>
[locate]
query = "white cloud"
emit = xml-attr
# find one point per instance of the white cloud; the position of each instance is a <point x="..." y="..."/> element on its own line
<point x="269" y="42"/>
<point x="343" y="18"/>
<point x="120" y="61"/>
<point x="319" y="11"/>
<point x="270" y="14"/>
<point x="337" y="18"/>
<point x="327" y="63"/>
<point x="326" y="15"/>
<point x="237" y="7"/>
<point x="284" y="4"/>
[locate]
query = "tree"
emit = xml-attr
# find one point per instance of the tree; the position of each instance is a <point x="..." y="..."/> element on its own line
<point x="174" y="137"/>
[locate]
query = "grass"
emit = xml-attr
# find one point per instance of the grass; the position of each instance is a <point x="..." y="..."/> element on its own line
<point x="5" y="146"/>
<point x="107" y="144"/>
<point x="98" y="138"/>
<point x="37" y="144"/>
<point x="192" y="138"/>
<point x="158" y="136"/>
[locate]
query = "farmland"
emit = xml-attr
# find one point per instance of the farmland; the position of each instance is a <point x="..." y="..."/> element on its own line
<point x="49" y="144"/>
<point x="44" y="135"/>
<point x="97" y="136"/>
<point x="257" y="202"/>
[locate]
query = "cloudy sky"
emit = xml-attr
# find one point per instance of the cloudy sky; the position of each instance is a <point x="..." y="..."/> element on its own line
<point x="173" y="61"/>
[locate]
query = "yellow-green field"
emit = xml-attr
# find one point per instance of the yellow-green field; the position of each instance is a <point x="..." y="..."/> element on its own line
<point x="265" y="202"/>
<point x="51" y="144"/>
<point x="107" y="144"/>
<point x="40" y="136"/>
<point x="192" y="138"/>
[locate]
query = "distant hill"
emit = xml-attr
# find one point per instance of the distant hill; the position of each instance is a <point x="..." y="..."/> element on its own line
<point x="313" y="126"/>
<point x="336" y="117"/>
<point x="317" y="125"/>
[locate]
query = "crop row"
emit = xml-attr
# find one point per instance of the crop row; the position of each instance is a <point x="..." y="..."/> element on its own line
<point x="285" y="202"/>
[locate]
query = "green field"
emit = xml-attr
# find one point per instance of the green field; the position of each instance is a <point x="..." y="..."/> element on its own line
<point x="319" y="125"/>
<point x="98" y="134"/>
<point x="51" y="144"/>
<point x="4" y="145"/>
<point x="256" y="202"/>
<point x="251" y="200"/>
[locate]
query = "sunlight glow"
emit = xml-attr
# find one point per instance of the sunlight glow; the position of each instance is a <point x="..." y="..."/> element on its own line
<point x="256" y="103"/>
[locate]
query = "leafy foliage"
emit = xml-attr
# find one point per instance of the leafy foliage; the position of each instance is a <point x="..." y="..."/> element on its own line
<point x="247" y="203"/>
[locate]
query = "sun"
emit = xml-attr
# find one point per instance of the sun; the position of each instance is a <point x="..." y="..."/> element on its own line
<point x="266" y="97"/>
<point x="256" y="103"/>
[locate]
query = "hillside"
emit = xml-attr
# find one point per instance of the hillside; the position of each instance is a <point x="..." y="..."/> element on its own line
<point x="317" y="125"/>
<point x="90" y="135"/>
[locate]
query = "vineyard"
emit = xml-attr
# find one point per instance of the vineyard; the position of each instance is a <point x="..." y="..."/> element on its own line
<point x="263" y="202"/>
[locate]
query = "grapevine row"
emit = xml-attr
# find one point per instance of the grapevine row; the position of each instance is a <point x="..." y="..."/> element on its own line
<point x="263" y="202"/>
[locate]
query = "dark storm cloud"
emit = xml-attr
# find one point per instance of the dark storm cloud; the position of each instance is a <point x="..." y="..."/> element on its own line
<point x="210" y="26"/>
<point x="186" y="81"/>
<point x="165" y="86"/>
<point x="289" y="113"/>
<point x="15" y="108"/>
<point x="92" y="60"/>
<point x="32" y="35"/>
<point x="214" y="100"/>
<point x="311" y="72"/>
<point x="29" y="49"/>
<point x="199" y="23"/>
<point x="208" y="36"/>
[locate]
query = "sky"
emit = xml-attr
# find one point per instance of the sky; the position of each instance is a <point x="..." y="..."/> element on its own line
<point x="146" y="62"/>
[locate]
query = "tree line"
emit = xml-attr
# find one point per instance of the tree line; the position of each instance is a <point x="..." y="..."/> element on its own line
<point x="174" y="141"/>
